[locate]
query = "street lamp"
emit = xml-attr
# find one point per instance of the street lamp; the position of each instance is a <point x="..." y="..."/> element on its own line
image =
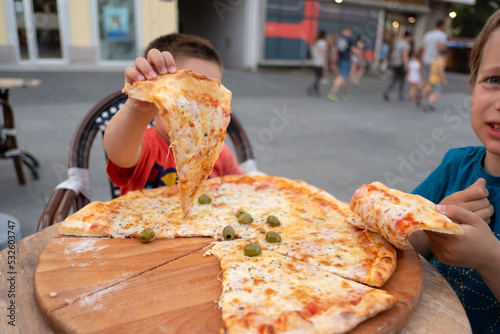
<point x="338" y="1"/>
<point x="453" y="15"/>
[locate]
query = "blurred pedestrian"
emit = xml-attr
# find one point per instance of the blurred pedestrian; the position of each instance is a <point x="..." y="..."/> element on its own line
<point x="433" y="43"/>
<point x="383" y="59"/>
<point x="333" y="54"/>
<point x="319" y="60"/>
<point x="344" y="45"/>
<point x="414" y="77"/>
<point x="399" y="63"/>
<point x="358" y="61"/>
<point x="437" y="78"/>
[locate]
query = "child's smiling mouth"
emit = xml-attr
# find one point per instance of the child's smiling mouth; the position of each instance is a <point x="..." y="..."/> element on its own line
<point x="495" y="126"/>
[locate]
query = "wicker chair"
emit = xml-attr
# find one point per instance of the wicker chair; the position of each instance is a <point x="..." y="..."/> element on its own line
<point x="95" y="121"/>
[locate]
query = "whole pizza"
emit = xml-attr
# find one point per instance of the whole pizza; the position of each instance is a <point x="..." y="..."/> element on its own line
<point x="294" y="258"/>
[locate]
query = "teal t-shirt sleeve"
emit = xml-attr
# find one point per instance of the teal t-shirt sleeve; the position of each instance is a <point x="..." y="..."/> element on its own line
<point x="434" y="186"/>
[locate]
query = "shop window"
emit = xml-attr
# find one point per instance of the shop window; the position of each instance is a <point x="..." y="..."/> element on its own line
<point x="117" y="29"/>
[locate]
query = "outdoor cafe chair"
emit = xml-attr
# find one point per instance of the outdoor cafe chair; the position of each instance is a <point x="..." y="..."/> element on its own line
<point x="75" y="191"/>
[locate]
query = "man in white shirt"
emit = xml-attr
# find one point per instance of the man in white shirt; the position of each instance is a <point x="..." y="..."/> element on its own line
<point x="433" y="43"/>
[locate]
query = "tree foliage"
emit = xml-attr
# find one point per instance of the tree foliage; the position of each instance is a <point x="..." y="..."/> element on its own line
<point x="471" y="19"/>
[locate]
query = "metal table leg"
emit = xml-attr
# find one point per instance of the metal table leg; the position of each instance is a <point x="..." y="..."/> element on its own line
<point x="9" y="149"/>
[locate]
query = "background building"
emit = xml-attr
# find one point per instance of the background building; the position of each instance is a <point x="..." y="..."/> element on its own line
<point x="247" y="33"/>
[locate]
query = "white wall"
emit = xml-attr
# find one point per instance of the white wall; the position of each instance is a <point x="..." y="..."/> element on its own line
<point x="220" y="21"/>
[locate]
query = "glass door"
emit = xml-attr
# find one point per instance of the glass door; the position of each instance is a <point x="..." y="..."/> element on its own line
<point x="38" y="30"/>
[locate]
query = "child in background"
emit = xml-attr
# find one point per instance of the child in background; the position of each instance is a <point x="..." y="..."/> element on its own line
<point x="140" y="156"/>
<point x="467" y="187"/>
<point x="436" y="80"/>
<point x="414" y="78"/>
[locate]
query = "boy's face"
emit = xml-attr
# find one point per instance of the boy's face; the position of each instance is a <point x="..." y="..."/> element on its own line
<point x="485" y="110"/>
<point x="200" y="66"/>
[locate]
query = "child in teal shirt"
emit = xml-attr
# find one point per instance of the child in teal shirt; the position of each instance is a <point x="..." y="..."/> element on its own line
<point x="467" y="187"/>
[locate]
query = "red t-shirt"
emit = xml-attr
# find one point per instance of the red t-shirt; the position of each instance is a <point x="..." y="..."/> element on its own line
<point x="156" y="167"/>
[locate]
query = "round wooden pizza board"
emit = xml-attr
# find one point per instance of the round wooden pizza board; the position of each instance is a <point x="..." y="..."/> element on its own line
<point x="94" y="285"/>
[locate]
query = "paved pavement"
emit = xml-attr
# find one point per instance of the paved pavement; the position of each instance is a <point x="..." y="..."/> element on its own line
<point x="334" y="146"/>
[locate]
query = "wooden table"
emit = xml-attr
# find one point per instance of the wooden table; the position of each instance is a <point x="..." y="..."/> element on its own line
<point x="8" y="142"/>
<point x="439" y="310"/>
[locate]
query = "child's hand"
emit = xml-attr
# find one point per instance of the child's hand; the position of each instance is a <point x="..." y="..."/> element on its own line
<point x="473" y="249"/>
<point x="156" y="63"/>
<point x="474" y="199"/>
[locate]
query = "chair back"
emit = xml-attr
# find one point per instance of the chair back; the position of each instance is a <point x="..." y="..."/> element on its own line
<point x="94" y="122"/>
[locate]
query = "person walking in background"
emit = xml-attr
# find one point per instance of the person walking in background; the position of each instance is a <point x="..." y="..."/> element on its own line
<point x="414" y="78"/>
<point x="433" y="43"/>
<point x="399" y="63"/>
<point x="319" y="60"/>
<point x="436" y="80"/>
<point x="344" y="45"/>
<point x="358" y="61"/>
<point x="333" y="54"/>
<point x="383" y="59"/>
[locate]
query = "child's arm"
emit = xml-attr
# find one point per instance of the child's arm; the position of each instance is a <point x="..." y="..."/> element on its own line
<point x="478" y="248"/>
<point x="125" y="131"/>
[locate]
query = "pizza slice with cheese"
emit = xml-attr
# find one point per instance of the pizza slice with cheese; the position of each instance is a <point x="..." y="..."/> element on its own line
<point x="196" y="110"/>
<point x="273" y="293"/>
<point x="314" y="226"/>
<point x="395" y="214"/>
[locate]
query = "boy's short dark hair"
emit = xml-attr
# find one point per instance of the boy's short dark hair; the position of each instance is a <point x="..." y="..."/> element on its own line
<point x="184" y="45"/>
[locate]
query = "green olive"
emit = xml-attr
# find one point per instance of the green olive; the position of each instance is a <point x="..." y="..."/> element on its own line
<point x="252" y="249"/>
<point x="245" y="218"/>
<point x="146" y="235"/>
<point x="239" y="213"/>
<point x="273" y="221"/>
<point x="272" y="236"/>
<point x="228" y="233"/>
<point x="204" y="199"/>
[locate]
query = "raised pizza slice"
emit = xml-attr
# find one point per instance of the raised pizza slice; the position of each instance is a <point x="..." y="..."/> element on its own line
<point x="196" y="110"/>
<point x="395" y="214"/>
<point x="273" y="293"/>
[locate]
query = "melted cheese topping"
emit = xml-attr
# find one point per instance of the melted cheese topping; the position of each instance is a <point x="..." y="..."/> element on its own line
<point x="276" y="294"/>
<point x="315" y="227"/>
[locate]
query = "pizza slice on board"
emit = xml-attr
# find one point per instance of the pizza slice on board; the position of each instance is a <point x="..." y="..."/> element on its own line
<point x="314" y="226"/>
<point x="395" y="214"/>
<point x="273" y="293"/>
<point x="196" y="110"/>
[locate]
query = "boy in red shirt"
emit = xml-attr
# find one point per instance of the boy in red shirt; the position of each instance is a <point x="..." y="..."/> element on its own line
<point x="139" y="156"/>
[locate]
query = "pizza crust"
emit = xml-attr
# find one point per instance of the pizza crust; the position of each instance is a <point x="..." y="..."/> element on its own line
<point x="179" y="81"/>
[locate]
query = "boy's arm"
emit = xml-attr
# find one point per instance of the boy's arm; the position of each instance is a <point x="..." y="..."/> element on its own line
<point x="125" y="131"/>
<point x="477" y="248"/>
